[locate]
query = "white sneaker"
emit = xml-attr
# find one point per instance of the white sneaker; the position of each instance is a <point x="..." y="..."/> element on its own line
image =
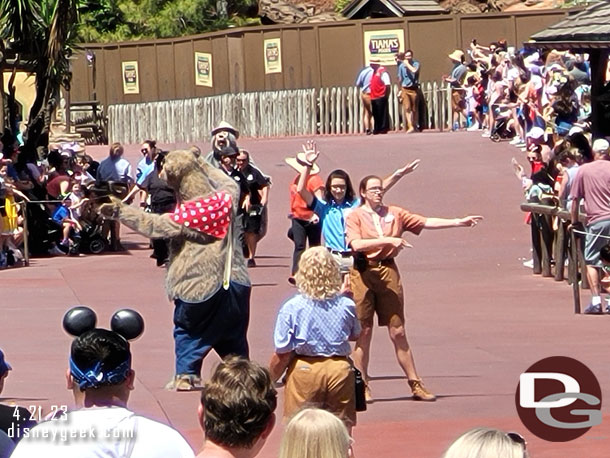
<point x="593" y="309"/>
<point x="529" y="264"/>
<point x="515" y="141"/>
<point x="486" y="134"/>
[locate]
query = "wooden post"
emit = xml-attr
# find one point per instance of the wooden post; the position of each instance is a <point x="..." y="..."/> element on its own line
<point x="584" y="279"/>
<point x="574" y="255"/>
<point x="26" y="243"/>
<point x="546" y="231"/>
<point x="536" y="244"/>
<point x="560" y="246"/>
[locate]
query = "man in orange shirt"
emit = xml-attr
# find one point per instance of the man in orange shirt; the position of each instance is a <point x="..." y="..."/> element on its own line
<point x="374" y="231"/>
<point x="305" y="223"/>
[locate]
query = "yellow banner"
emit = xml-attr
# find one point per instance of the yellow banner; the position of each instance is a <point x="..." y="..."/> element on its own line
<point x="131" y="80"/>
<point x="383" y="45"/>
<point x="203" y="69"/>
<point x="273" y="55"/>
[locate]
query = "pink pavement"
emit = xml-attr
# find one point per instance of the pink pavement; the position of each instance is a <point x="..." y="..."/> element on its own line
<point x="476" y="318"/>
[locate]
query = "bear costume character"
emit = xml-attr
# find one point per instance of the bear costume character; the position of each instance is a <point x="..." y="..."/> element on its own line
<point x="207" y="277"/>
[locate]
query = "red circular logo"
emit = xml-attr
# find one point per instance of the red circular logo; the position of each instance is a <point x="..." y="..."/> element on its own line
<point x="559" y="399"/>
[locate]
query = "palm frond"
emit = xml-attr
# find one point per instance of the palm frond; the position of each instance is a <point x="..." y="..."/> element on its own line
<point x="22" y="23"/>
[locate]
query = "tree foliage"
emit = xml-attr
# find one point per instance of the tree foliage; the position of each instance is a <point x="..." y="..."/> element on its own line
<point x="39" y="35"/>
<point x="120" y="20"/>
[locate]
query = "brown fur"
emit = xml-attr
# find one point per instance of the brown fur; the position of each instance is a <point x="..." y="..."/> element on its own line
<point x="196" y="260"/>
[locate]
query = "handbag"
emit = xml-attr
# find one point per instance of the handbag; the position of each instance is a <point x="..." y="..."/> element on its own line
<point x="360" y="387"/>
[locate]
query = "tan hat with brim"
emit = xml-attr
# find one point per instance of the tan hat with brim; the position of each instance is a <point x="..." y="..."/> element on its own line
<point x="457" y="55"/>
<point x="224" y="125"/>
<point x="299" y="163"/>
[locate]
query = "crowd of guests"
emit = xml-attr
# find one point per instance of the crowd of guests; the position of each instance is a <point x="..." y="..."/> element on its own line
<point x="495" y="88"/>
<point x="236" y="413"/>
<point x="507" y="92"/>
<point x="346" y="277"/>
<point x="66" y="187"/>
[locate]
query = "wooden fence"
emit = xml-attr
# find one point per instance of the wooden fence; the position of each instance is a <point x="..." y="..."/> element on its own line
<point x="550" y="247"/>
<point x="336" y="110"/>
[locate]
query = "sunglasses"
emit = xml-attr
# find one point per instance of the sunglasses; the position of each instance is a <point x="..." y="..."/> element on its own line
<point x="518" y="439"/>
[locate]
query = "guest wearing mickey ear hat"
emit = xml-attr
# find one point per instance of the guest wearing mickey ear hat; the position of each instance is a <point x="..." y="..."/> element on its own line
<point x="101" y="379"/>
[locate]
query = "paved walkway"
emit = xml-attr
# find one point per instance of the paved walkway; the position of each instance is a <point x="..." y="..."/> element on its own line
<point x="476" y="317"/>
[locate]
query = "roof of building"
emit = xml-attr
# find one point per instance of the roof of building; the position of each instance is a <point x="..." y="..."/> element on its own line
<point x="588" y="28"/>
<point x="398" y="7"/>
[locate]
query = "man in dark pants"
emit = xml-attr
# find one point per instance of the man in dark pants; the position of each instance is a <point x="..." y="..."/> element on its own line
<point x="305" y="224"/>
<point x="380" y="91"/>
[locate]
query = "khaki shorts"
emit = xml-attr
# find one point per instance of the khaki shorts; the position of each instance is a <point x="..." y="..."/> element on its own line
<point x="457" y="101"/>
<point x="366" y="102"/>
<point x="326" y="383"/>
<point x="409" y="99"/>
<point x="377" y="290"/>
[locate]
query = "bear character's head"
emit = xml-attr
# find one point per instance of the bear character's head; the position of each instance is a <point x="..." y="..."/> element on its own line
<point x="184" y="174"/>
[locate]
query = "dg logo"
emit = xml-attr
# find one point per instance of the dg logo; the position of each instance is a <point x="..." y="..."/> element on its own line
<point x="559" y="399"/>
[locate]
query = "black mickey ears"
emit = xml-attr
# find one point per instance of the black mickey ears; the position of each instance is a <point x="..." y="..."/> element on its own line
<point x="125" y="322"/>
<point x="79" y="320"/>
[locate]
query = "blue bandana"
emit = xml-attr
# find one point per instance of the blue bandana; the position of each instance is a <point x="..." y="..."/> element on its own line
<point x="96" y="376"/>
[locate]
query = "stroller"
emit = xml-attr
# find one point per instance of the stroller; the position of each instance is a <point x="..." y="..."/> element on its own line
<point x="501" y="129"/>
<point x="43" y="231"/>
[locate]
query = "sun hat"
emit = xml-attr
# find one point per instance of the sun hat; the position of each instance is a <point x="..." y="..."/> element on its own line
<point x="299" y="162"/>
<point x="601" y="145"/>
<point x="457" y="55"/>
<point x="536" y="133"/>
<point x="224" y="125"/>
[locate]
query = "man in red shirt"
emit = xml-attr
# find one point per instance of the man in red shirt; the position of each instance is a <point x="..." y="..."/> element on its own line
<point x="380" y="91"/>
<point x="375" y="232"/>
<point x="305" y="223"/>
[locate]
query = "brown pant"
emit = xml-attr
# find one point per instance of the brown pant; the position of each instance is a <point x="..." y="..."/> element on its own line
<point x="409" y="105"/>
<point x="377" y="290"/>
<point x="324" y="382"/>
<point x="457" y="101"/>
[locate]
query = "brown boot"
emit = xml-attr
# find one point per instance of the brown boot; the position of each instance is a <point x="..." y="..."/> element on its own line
<point x="368" y="396"/>
<point x="420" y="393"/>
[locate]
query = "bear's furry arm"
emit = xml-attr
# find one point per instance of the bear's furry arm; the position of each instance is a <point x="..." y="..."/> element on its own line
<point x="220" y="180"/>
<point x="158" y="226"/>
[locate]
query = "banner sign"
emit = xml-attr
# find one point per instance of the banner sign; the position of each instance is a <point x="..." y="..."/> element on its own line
<point x="384" y="45"/>
<point x="273" y="56"/>
<point x="131" y="82"/>
<point x="203" y="69"/>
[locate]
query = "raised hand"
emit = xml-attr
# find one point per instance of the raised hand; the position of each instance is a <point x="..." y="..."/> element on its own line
<point x="311" y="151"/>
<point x="410" y="167"/>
